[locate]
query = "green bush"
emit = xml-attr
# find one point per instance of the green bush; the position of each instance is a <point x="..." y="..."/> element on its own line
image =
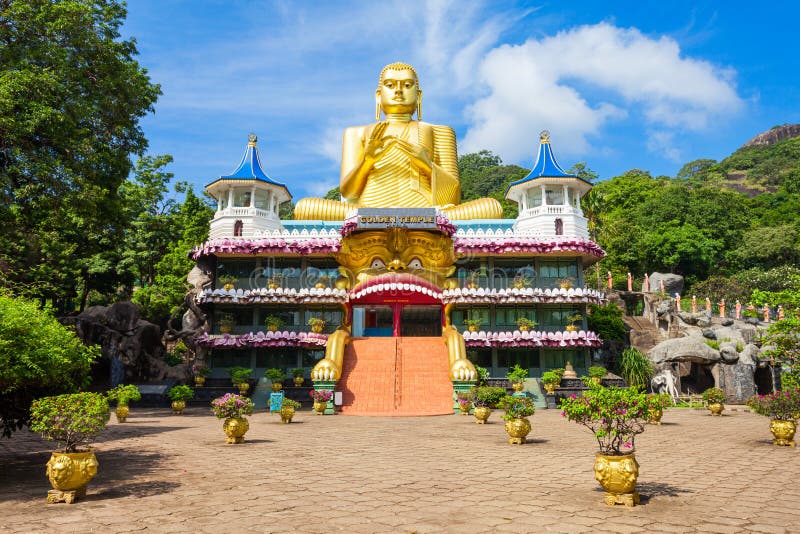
<point x="714" y="344"/>
<point x="606" y="322"/>
<point x="483" y="374"/>
<point x="275" y="375"/>
<point x="596" y="371"/>
<point x="298" y="372"/>
<point x="635" y="367"/>
<point x="70" y="420"/>
<point x="517" y="374"/>
<point x="516" y="407"/>
<point x="180" y="393"/>
<point x="487" y="396"/>
<point x="552" y="377"/>
<point x="614" y="415"/>
<point x="123" y="394"/>
<point x="714" y="396"/>
<point x="239" y="375"/>
<point x="289" y="403"/>
<point x="38" y="357"/>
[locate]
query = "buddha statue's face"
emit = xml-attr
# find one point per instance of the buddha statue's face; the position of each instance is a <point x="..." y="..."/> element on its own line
<point x="398" y="91"/>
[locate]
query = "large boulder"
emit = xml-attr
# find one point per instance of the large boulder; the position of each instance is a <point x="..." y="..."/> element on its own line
<point x="673" y="283"/>
<point x="684" y="349"/>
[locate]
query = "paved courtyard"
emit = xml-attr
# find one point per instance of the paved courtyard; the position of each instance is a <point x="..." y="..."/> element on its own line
<point x="166" y="473"/>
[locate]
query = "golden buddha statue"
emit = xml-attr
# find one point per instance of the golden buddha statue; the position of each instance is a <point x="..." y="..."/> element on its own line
<point x="399" y="162"/>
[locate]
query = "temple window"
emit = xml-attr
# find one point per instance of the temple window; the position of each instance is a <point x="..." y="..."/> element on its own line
<point x="526" y="358"/>
<point x="559" y="227"/>
<point x="534" y="197"/>
<point x="238" y="226"/>
<point x="555" y="196"/>
<point x="241" y="198"/>
<point x="261" y="200"/>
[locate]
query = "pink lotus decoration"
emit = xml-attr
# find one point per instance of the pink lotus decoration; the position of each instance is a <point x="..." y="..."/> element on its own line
<point x="504" y="244"/>
<point x="268" y="245"/>
<point x="264" y="339"/>
<point x="532" y="339"/>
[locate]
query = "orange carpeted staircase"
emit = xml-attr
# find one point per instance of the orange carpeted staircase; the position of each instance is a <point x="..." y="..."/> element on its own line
<point x="396" y="376"/>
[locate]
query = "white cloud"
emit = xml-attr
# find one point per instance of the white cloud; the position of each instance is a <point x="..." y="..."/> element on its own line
<point x="553" y="84"/>
<point x="663" y="144"/>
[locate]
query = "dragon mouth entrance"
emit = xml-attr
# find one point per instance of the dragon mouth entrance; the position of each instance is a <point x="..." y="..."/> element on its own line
<point x="396" y="287"/>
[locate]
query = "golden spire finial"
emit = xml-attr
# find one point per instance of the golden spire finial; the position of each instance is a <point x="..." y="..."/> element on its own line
<point x="544" y="137"/>
<point x="252" y="139"/>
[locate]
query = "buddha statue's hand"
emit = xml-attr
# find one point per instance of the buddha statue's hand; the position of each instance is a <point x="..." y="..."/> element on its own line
<point x="376" y="144"/>
<point x="418" y="154"/>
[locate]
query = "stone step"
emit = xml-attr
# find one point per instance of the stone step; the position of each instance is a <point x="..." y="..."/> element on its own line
<point x="404" y="376"/>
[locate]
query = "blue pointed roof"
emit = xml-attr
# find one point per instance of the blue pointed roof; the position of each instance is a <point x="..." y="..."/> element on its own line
<point x="546" y="165"/>
<point x="250" y="167"/>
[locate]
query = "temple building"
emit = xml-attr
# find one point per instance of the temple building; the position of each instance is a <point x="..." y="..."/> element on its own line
<point x="393" y="306"/>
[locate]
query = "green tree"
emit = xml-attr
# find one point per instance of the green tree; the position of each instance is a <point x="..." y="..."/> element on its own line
<point x="582" y="171"/>
<point x="782" y="344"/>
<point x="71" y="97"/>
<point x="38" y="356"/>
<point x="189" y="228"/>
<point x="483" y="175"/>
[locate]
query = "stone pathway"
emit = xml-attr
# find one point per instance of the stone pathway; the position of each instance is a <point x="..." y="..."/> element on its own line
<point x="165" y="473"/>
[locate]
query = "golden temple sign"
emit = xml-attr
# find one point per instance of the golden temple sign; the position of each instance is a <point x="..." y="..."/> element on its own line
<point x="412" y="218"/>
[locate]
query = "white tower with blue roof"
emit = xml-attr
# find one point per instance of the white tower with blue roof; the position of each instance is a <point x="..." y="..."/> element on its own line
<point x="549" y="198"/>
<point x="248" y="201"/>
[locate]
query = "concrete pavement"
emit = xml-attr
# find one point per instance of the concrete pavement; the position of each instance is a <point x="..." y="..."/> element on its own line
<point x="165" y="473"/>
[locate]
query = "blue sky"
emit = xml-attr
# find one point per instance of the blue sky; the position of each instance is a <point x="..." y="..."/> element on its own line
<point x="620" y="85"/>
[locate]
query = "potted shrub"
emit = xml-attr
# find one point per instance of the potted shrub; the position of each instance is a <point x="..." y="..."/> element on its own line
<point x="240" y="378"/>
<point x="715" y="400"/>
<point x="596" y="373"/>
<point x="275" y="376"/>
<point x="484" y="398"/>
<point x="524" y="324"/>
<point x="72" y="421"/>
<point x="316" y="324"/>
<point x="566" y="282"/>
<point x="615" y="416"/>
<point x="483" y="375"/>
<point x="658" y="402"/>
<point x="521" y="281"/>
<point x="123" y="394"/>
<point x="517" y="376"/>
<point x="233" y="408"/>
<point x="551" y="380"/>
<point x="288" y="408"/>
<point x="179" y="350"/>
<point x="321" y="399"/>
<point x="179" y="395"/>
<point x="517" y="409"/>
<point x="572" y="320"/>
<point x="782" y="407"/>
<point x="274" y="282"/>
<point x="200" y="371"/>
<point x="464" y="399"/>
<point x="473" y="325"/>
<point x="273" y="322"/>
<point x="228" y="282"/>
<point x="297" y="374"/>
<point x="226" y="323"/>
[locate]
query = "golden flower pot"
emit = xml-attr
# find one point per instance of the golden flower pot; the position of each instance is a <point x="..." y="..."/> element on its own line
<point x="276" y="386"/>
<point x="571" y="328"/>
<point x="320" y="285"/>
<point x="655" y="417"/>
<point x="228" y="287"/>
<point x="243" y="387"/>
<point x="199" y="381"/>
<point x="783" y="430"/>
<point x="524" y="328"/>
<point x="122" y="413"/>
<point x="69" y="473"/>
<point x="319" y="407"/>
<point x="178" y="406"/>
<point x="235" y="428"/>
<point x="287" y="413"/>
<point x="272" y="327"/>
<point x="550" y="389"/>
<point x="716" y="408"/>
<point x="472" y="328"/>
<point x="464" y="408"/>
<point x="481" y="414"/>
<point x="298" y="381"/>
<point x="317" y="328"/>
<point x="518" y="428"/>
<point x="518" y="386"/>
<point x="617" y="475"/>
